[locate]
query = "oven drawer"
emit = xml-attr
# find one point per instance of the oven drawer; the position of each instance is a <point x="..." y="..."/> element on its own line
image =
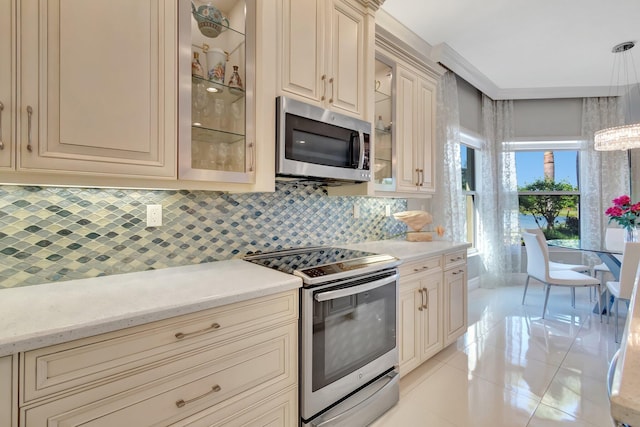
<point x="424" y="265"/>
<point x="208" y="380"/>
<point x="455" y="258"/>
<point x="78" y="364"/>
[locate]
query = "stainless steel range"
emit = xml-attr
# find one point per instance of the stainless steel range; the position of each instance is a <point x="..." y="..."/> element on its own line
<point x="348" y="324"/>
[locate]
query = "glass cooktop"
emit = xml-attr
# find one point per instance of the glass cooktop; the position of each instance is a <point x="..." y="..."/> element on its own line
<point x="320" y="264"/>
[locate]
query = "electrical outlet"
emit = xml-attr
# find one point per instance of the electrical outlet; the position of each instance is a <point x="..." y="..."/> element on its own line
<point x="154" y="215"/>
<point x="356" y="211"/>
<point x="387" y="210"/>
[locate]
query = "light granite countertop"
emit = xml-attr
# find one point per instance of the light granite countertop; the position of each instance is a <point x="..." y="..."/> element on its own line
<point x="408" y="251"/>
<point x="41" y="315"/>
<point x="37" y="316"/>
<point x="625" y="388"/>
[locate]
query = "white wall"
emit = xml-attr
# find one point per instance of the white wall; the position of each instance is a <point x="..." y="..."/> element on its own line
<point x="544" y="119"/>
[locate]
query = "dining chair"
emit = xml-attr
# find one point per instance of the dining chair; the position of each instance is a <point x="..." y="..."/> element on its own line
<point x="560" y="265"/>
<point x="622" y="289"/>
<point x="613" y="241"/>
<point x="538" y="268"/>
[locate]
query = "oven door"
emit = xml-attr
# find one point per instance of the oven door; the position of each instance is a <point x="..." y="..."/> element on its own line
<point x="348" y="338"/>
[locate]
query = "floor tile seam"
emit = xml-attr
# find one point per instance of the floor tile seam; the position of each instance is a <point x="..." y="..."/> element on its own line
<point x="533" y="414"/>
<point x="590" y="401"/>
<point x="507" y="387"/>
<point x="564" y="412"/>
<point x="423" y="379"/>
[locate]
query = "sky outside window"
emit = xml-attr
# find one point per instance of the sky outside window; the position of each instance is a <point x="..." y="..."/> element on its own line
<point x="530" y="166"/>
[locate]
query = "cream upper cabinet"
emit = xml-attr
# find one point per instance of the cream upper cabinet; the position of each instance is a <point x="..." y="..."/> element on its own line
<point x="97" y="87"/>
<point x="7" y="77"/>
<point x="415" y="127"/>
<point x="324" y="49"/>
<point x="227" y="94"/>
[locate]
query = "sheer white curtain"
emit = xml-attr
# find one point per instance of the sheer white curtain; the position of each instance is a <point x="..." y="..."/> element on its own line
<point x="499" y="228"/>
<point x="604" y="175"/>
<point x="448" y="203"/>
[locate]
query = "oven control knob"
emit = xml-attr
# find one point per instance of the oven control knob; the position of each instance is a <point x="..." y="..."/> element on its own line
<point x="360" y="375"/>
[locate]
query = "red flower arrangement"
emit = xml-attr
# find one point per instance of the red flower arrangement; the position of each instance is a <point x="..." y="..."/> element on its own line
<point x="624" y="212"/>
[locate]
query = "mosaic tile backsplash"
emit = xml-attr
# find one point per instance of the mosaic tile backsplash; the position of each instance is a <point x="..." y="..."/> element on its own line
<point x="50" y="234"/>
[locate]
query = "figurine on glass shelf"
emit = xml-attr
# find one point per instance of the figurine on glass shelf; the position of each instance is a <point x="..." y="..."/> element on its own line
<point x="235" y="81"/>
<point x="196" y="67"/>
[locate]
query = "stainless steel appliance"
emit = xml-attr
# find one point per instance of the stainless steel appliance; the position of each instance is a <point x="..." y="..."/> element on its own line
<point x="348" y="324"/>
<point x="312" y="142"/>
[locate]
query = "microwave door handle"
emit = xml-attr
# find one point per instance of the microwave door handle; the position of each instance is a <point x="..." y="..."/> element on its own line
<point x="329" y="295"/>
<point x="361" y="146"/>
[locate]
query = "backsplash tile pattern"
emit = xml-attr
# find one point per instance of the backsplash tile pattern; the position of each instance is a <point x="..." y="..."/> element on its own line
<point x="53" y="234"/>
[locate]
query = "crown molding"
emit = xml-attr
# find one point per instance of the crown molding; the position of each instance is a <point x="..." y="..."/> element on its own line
<point x="395" y="36"/>
<point x="371" y="4"/>
<point x="451" y="59"/>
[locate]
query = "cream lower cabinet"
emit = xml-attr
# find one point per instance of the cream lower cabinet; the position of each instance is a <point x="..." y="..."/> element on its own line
<point x="455" y="288"/>
<point x="420" y="312"/>
<point x="235" y="365"/>
<point x="432" y="306"/>
<point x="8" y="391"/>
<point x="97" y="91"/>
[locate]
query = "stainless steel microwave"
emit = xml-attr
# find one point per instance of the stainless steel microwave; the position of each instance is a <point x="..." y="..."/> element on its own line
<point x="315" y="143"/>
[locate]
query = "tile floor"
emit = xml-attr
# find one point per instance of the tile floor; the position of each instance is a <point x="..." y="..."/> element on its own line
<point x="514" y="369"/>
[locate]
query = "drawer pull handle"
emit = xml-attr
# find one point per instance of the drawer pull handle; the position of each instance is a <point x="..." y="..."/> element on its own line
<point x="180" y="403"/>
<point x="455" y="259"/>
<point x="213" y="327"/>
<point x="457" y="272"/>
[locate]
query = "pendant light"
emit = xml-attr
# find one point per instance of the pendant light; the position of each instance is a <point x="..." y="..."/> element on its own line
<point x="622" y="137"/>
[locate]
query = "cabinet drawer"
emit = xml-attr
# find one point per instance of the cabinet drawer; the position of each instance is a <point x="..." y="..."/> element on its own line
<point x="93" y="360"/>
<point x="425" y="265"/>
<point x="210" y="380"/>
<point x="273" y="411"/>
<point x="455" y="258"/>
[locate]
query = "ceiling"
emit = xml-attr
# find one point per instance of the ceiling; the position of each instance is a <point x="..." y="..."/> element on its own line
<point x="528" y="49"/>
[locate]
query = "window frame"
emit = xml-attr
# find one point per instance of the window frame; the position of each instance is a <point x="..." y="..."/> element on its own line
<point x="474" y="141"/>
<point x="550" y="145"/>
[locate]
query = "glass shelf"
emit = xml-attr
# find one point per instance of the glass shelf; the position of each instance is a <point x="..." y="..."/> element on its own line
<point x="383" y="132"/>
<point x="381" y="97"/>
<point x="206" y="21"/>
<point x="225" y="92"/>
<point x="214" y="136"/>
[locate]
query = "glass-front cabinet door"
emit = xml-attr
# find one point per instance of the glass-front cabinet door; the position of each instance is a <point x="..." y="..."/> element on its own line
<point x="384" y="111"/>
<point x="217" y="48"/>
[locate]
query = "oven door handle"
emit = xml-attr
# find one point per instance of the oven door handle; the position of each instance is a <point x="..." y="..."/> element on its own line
<point x="339" y="293"/>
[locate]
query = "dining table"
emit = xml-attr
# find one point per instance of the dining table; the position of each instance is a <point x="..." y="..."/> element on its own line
<point x="611" y="258"/>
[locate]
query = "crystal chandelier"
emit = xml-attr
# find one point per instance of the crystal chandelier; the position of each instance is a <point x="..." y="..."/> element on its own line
<point x="622" y="137"/>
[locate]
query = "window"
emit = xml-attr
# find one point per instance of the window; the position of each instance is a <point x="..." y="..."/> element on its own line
<point x="468" y="150"/>
<point x="548" y="188"/>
